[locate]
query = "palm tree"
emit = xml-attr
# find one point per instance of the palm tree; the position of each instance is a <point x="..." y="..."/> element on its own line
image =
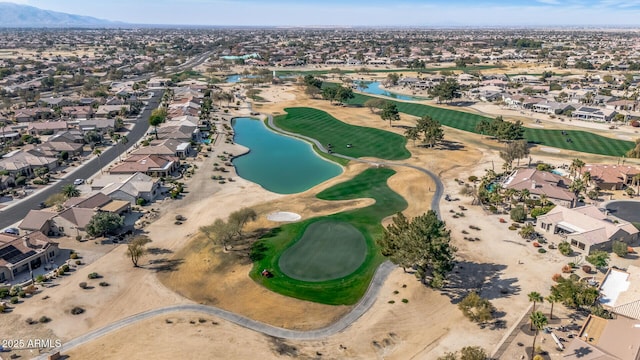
<point x="97" y="152"/>
<point x="577" y="186"/>
<point x="576" y="167"/>
<point x="70" y="191"/>
<point x="535" y="297"/>
<point x="552" y="299"/>
<point x="544" y="200"/>
<point x="586" y="178"/>
<point x="123" y="140"/>
<point x="539" y="321"/>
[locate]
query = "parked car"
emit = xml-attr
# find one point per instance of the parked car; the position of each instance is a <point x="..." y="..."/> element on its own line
<point x="78" y="181"/>
<point x="12" y="231"/>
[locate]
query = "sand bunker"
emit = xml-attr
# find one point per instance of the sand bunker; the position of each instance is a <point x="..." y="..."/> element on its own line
<point x="550" y="150"/>
<point x="283" y="216"/>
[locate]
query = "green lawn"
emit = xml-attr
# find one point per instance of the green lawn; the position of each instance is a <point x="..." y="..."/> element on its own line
<point x="327" y="250"/>
<point x="582" y="141"/>
<point x="374" y="70"/>
<point x="371" y="183"/>
<point x="366" y="142"/>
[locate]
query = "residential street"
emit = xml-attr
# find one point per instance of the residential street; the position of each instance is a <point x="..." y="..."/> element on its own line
<point x="17" y="212"/>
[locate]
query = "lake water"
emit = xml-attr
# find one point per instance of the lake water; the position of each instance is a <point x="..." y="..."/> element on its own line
<point x="279" y="163"/>
<point x="373" y="87"/>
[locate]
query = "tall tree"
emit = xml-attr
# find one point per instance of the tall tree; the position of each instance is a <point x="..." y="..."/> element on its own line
<point x="390" y="112"/>
<point x="412" y="134"/>
<point x="446" y="90"/>
<point x="431" y="130"/>
<point x="534" y="297"/>
<point x="103" y="223"/>
<point x="552" y="299"/>
<point x="219" y="232"/>
<point x="136" y="248"/>
<point x="157" y="117"/>
<point x="238" y="219"/>
<point x="425" y="244"/>
<point x="539" y="321"/>
<point x="576" y="167"/>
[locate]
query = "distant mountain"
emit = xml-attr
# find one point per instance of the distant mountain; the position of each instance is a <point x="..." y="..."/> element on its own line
<point x="15" y="15"/>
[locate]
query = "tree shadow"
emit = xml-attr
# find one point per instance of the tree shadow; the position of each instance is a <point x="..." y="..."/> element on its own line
<point x="450" y="145"/>
<point x="158" y="251"/>
<point x="165" y="265"/>
<point x="485" y="279"/>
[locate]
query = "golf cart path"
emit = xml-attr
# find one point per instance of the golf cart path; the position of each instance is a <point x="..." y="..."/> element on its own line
<point x="340" y="325"/>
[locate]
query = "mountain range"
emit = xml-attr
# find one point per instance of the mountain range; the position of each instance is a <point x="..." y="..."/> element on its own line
<point x="17" y="16"/>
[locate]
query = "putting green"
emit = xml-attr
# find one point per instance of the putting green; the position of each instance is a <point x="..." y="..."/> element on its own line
<point x="327" y="250"/>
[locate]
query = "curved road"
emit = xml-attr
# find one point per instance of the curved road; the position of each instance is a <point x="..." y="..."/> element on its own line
<point x="17" y="212"/>
<point x="361" y="307"/>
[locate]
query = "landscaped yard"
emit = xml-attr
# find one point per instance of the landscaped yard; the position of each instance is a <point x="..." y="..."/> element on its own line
<point x="329" y="130"/>
<point x="582" y="141"/>
<point x="347" y="290"/>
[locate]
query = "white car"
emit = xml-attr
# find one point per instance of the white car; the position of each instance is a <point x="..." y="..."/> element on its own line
<point x="78" y="181"/>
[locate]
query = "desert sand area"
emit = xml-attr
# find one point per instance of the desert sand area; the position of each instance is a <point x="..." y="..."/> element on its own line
<point x="185" y="267"/>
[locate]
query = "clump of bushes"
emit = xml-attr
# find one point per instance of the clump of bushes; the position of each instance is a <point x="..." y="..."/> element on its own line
<point x="93" y="275"/>
<point x="44" y="319"/>
<point x="104" y="283"/>
<point x="77" y="310"/>
<point x="83" y="285"/>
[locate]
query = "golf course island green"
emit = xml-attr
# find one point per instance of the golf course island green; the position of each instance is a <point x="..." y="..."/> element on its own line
<point x="327" y="250"/>
<point x="329" y="259"/>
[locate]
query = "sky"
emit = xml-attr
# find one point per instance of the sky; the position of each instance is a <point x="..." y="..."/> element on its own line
<point x="355" y="12"/>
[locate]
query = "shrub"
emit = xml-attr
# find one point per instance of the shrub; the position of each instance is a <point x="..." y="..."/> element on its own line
<point x="104" y="283"/>
<point x="635" y="123"/>
<point x="73" y="256"/>
<point x="30" y="321"/>
<point x="574" y="277"/>
<point x="141" y="201"/>
<point x="473" y="178"/>
<point x="556" y="277"/>
<point x="83" y="285"/>
<point x="60" y="271"/>
<point x="4" y="293"/>
<point x="476" y="308"/>
<point x="512" y="228"/>
<point x="39" y="279"/>
<point x="586" y="268"/>
<point x="567" y="269"/>
<point x="405" y="300"/>
<point x="77" y="310"/>
<point x="14" y="300"/>
<point x="30" y="289"/>
<point x="565" y="248"/>
<point x="2" y="308"/>
<point x="65" y="267"/>
<point x="391" y="301"/>
<point x="620" y="248"/>
<point x="78" y="262"/>
<point x="93" y="275"/>
<point x="44" y="319"/>
<point x="542" y="251"/>
<point x="180" y="218"/>
<point x="518" y="213"/>
<point x="15" y="290"/>
<point x="78" y="237"/>
<point x="22" y="294"/>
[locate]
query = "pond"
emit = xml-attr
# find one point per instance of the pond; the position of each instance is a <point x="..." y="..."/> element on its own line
<point x="373" y="87"/>
<point x="279" y="163"/>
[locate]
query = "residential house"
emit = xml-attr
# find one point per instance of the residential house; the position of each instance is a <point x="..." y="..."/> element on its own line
<point x="183" y="133"/>
<point x="101" y="125"/>
<point x="54" y="102"/>
<point x="37" y="220"/>
<point x="48" y="127"/>
<point x="19" y="254"/>
<point x="23" y="163"/>
<point x="73" y="221"/>
<point x="593" y="114"/>
<point x="77" y="112"/>
<point x="152" y="165"/>
<point x="605" y="339"/>
<point x="110" y="111"/>
<point x="620" y="292"/>
<point x="28" y="115"/>
<point x="586" y="228"/>
<point x="171" y="147"/>
<point x="611" y="177"/>
<point x="538" y="183"/>
<point x="69" y="136"/>
<point x="136" y="186"/>
<point x="552" y="107"/>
